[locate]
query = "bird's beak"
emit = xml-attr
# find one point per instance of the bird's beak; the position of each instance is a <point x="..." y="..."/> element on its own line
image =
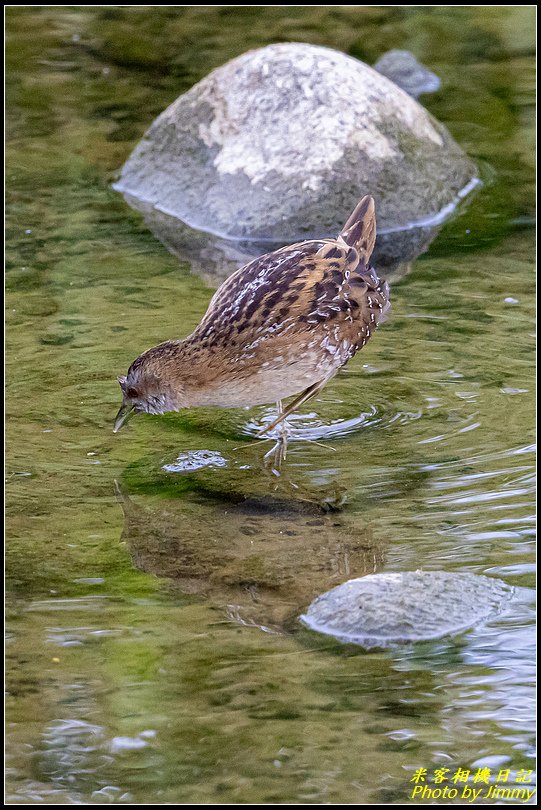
<point x="126" y="412"/>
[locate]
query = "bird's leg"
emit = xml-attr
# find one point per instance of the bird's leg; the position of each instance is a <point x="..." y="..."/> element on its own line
<point x="278" y="454"/>
<point x="307" y="394"/>
<point x="283" y="426"/>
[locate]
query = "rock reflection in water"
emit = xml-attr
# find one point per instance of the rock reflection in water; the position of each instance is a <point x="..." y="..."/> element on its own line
<point x="214" y="258"/>
<point x="262" y="559"/>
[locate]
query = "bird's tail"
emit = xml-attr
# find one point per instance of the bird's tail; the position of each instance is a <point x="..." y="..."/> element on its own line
<point x="360" y="229"/>
<point x="360" y="232"/>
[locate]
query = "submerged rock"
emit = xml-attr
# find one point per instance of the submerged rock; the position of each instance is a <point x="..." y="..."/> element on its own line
<point x="280" y="143"/>
<point x="381" y="610"/>
<point x="402" y="68"/>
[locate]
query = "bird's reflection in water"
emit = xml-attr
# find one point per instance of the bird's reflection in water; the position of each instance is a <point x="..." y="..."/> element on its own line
<point x="260" y="558"/>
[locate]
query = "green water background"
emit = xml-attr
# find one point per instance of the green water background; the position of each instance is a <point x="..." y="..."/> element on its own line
<point x="153" y="652"/>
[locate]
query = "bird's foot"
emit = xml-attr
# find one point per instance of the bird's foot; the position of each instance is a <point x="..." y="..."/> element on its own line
<point x="276" y="456"/>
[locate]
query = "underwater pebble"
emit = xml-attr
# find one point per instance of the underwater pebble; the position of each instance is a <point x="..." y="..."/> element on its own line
<point x="381" y="610"/>
<point x="119" y="744"/>
<point x="108" y="793"/>
<point x="89" y="580"/>
<point x="401" y="734"/>
<point x="490" y="762"/>
<point x="69" y="729"/>
<point x="195" y="460"/>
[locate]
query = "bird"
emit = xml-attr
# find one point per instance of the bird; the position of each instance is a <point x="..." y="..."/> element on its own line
<point x="281" y="326"/>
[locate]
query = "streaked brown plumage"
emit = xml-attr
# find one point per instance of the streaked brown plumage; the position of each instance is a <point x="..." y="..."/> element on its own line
<point x="280" y="326"/>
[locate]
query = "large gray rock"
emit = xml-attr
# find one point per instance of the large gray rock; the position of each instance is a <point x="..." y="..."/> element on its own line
<point x="280" y="143"/>
<point x="381" y="610"/>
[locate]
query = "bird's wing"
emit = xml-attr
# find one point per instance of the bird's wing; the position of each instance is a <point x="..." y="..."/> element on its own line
<point x="306" y="288"/>
<point x="258" y="291"/>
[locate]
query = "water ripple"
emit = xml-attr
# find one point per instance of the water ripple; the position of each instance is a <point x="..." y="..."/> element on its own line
<point x="312" y="426"/>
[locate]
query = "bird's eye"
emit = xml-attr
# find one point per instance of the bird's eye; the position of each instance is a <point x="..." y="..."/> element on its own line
<point x="132" y="393"/>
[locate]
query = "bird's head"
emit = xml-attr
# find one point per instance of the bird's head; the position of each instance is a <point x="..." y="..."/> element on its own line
<point x="146" y="389"/>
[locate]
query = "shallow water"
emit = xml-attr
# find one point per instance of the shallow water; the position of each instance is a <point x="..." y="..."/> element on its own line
<point x="154" y="652"/>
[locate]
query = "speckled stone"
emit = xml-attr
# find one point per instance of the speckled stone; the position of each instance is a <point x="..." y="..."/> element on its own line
<point x="381" y="610"/>
<point x="281" y="142"/>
